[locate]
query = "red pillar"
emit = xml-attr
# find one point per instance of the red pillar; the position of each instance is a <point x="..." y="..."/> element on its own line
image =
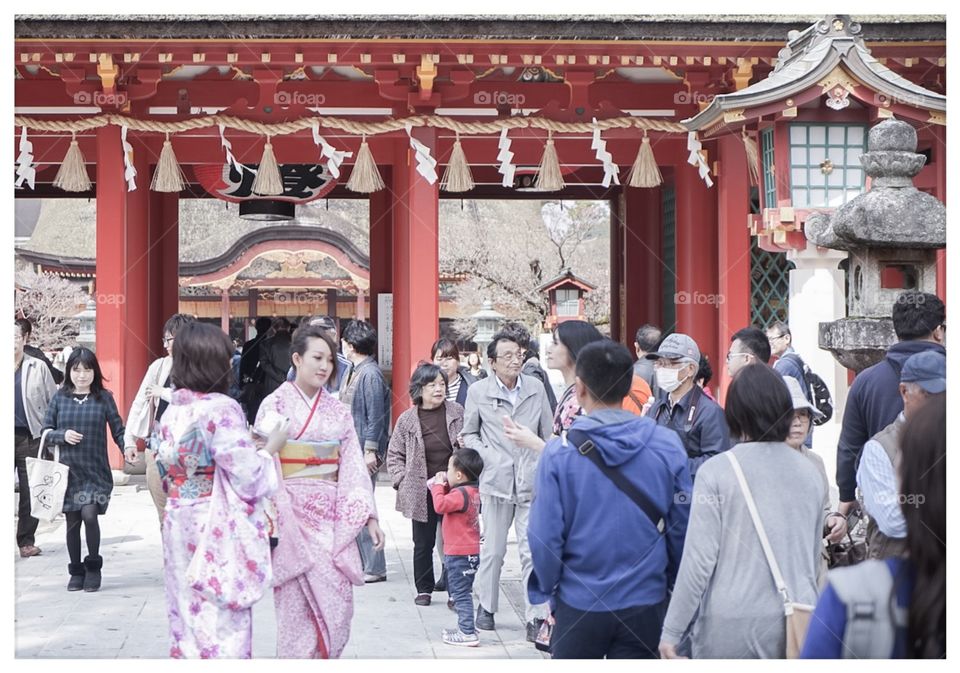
<point x="618" y="294"/>
<point x="381" y="247"/>
<point x="643" y="267"/>
<point x="170" y="244"/>
<point x="163" y="256"/>
<point x="733" y="208"/>
<point x="696" y="294"/>
<point x="416" y="310"/>
<point x="122" y="272"/>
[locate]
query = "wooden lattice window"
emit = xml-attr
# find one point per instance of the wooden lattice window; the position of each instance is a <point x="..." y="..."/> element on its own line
<point x="769" y="286"/>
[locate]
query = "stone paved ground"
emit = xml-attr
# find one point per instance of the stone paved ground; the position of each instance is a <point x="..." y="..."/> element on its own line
<point x="127" y="617"/>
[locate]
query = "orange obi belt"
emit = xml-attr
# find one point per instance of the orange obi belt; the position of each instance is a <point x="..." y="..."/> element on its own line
<point x="315" y="460"/>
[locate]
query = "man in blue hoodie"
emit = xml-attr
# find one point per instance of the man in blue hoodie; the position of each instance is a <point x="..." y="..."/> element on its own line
<point x="874" y="401"/>
<point x="608" y="599"/>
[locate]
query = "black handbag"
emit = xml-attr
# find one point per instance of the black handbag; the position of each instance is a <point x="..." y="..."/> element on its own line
<point x="850" y="551"/>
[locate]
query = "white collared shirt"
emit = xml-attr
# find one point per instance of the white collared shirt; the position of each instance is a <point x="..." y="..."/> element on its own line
<point x="512" y="395"/>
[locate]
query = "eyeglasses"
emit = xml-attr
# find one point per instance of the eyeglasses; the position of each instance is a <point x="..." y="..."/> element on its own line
<point x="168" y="340"/>
<point x="510" y="357"/>
<point x="733" y="355"/>
<point x="775" y="336"/>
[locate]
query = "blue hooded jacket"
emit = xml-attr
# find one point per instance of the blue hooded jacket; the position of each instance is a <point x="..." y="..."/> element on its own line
<point x="592" y="546"/>
<point x="873" y="403"/>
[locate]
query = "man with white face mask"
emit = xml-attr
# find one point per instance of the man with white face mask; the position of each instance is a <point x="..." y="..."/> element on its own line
<point x="681" y="404"/>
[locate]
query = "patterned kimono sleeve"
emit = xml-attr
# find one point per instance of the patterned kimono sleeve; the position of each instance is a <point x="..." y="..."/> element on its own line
<point x="250" y="472"/>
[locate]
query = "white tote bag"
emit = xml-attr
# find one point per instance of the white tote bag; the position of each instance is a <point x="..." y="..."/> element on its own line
<point x="48" y="483"/>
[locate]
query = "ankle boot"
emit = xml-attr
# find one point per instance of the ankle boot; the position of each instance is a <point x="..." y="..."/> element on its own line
<point x="93" y="565"/>
<point x="77" y="576"/>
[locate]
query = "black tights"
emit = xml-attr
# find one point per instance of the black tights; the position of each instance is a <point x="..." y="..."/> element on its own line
<point x="88" y="515"/>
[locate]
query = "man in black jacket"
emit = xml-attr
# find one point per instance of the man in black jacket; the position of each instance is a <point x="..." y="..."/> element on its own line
<point x="874" y="401"/>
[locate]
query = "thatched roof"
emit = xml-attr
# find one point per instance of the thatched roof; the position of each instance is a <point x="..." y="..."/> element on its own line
<point x="723" y="27"/>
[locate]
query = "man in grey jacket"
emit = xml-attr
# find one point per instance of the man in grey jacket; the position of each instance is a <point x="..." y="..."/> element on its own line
<point x="506" y="484"/>
<point x="33" y="387"/>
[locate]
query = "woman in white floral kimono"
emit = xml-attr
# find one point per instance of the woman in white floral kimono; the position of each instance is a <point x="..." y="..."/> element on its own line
<point x="324" y="501"/>
<point x="215" y="544"/>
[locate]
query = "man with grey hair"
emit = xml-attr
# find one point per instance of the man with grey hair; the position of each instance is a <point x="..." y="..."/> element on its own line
<point x="505" y="400"/>
<point x="681" y="404"/>
<point x="924" y="374"/>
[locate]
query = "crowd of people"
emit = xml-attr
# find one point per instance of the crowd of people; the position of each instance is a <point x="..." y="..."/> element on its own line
<point x="700" y="530"/>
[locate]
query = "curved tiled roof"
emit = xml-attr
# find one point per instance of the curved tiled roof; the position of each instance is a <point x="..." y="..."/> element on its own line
<point x="807" y="59"/>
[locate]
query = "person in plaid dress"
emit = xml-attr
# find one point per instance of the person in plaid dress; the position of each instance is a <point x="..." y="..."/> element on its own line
<point x="76" y="421"/>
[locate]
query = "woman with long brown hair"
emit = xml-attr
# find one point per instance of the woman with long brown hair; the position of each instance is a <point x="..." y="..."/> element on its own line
<point x="901" y="602"/>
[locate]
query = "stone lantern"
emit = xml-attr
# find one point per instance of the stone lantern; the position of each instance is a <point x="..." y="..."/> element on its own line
<point x="488" y="322"/>
<point x="88" y="325"/>
<point x="891" y="233"/>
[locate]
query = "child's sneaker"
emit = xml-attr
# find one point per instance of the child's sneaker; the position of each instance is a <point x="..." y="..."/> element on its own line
<point x="457" y="637"/>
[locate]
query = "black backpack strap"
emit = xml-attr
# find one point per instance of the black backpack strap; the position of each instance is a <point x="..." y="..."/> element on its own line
<point x="587" y="448"/>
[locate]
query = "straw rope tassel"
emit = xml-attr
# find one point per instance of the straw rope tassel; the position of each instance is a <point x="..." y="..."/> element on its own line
<point x="753" y="156"/>
<point x="365" y="177"/>
<point x="549" y="177"/>
<point x="268" y="181"/>
<point x="168" y="176"/>
<point x="457" y="177"/>
<point x="644" y="172"/>
<point x="73" y="176"/>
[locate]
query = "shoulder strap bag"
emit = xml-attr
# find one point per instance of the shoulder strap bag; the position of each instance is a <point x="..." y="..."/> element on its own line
<point x="797" y="614"/>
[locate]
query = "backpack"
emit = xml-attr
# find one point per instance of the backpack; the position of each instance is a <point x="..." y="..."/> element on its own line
<point x="817" y="391"/>
<point x="873" y="616"/>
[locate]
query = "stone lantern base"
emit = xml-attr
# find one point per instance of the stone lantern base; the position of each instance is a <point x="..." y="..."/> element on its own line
<point x="858" y="343"/>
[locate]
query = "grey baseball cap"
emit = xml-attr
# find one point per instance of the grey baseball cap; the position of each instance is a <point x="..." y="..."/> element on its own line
<point x="928" y="369"/>
<point x="677" y="346"/>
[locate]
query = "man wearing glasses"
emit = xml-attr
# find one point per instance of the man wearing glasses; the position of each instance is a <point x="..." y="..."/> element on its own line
<point x="681" y="404"/>
<point x="506" y="399"/>
<point x="788" y="362"/>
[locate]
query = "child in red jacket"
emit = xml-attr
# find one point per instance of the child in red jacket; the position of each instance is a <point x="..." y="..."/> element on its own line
<point x="457" y="497"/>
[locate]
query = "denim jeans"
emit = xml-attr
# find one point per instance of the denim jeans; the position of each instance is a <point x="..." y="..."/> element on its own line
<point x="374" y="562"/>
<point x="460" y="574"/>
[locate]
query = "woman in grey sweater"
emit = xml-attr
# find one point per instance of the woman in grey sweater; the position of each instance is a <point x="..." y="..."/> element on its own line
<point x="725" y="586"/>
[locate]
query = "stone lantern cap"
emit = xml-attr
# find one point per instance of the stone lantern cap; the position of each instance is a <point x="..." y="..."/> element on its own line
<point x="894" y="213"/>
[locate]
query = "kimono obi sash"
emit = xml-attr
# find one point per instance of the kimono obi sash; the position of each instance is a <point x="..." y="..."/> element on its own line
<point x="198" y="484"/>
<point x="313" y="460"/>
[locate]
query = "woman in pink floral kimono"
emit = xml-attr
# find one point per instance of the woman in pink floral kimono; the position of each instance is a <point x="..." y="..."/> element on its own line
<point x="324" y="501"/>
<point x="215" y="545"/>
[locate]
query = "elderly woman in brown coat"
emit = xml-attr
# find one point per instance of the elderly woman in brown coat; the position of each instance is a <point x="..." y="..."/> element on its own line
<point x="421" y="445"/>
